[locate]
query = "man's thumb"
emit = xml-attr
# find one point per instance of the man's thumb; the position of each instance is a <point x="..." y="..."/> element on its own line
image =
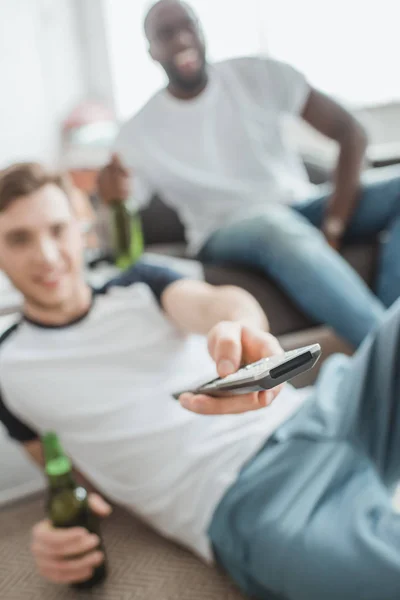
<point x="99" y="506"/>
<point x="115" y="160"/>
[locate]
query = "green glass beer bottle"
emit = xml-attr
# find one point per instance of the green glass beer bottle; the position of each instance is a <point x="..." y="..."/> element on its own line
<point x="127" y="235"/>
<point x="51" y="447"/>
<point x="67" y="503"/>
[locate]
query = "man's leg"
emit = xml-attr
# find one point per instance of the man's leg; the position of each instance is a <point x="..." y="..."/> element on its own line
<point x="309" y="520"/>
<point x="378" y="211"/>
<point x="291" y="251"/>
<point x="369" y="383"/>
<point x="310" y="516"/>
<point x="353" y="533"/>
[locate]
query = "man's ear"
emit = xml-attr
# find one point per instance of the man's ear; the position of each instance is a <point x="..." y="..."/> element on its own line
<point x="152" y="54"/>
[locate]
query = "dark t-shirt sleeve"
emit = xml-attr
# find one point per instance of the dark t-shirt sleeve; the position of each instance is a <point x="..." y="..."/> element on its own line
<point x="156" y="277"/>
<point x="15" y="428"/>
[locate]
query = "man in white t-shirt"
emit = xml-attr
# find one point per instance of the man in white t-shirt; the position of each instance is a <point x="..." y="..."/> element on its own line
<point x="293" y="499"/>
<point x="212" y="145"/>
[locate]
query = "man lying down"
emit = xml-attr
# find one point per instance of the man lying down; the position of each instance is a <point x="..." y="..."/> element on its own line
<point x="291" y="495"/>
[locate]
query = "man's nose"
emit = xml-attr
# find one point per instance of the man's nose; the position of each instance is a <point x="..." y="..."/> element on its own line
<point x="47" y="251"/>
<point x="183" y="40"/>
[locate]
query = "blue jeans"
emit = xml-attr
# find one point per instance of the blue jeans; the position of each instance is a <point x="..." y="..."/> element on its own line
<point x="286" y="244"/>
<point x="310" y="517"/>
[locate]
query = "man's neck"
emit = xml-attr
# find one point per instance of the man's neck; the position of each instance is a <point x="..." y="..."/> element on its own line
<point x="182" y="94"/>
<point x="63" y="314"/>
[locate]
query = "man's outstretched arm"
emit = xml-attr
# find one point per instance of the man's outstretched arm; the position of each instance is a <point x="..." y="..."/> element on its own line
<point x="196" y="306"/>
<point x="237" y="331"/>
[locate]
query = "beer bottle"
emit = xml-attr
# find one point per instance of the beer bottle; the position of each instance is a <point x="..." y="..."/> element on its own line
<point x="67" y="503"/>
<point x="51" y="447"/>
<point x="127" y="235"/>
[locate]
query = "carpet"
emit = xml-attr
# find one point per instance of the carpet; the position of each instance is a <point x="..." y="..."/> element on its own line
<point x="143" y="566"/>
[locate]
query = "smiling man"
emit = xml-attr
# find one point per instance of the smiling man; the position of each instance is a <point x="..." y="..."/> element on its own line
<point x="292" y="499"/>
<point x="212" y="145"/>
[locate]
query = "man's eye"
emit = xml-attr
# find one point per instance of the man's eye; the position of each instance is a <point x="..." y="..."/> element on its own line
<point x="166" y="35"/>
<point x="57" y="230"/>
<point x="19" y="240"/>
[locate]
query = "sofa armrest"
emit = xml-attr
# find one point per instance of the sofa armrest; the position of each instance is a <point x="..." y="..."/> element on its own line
<point x="383" y="155"/>
<point x="319" y="171"/>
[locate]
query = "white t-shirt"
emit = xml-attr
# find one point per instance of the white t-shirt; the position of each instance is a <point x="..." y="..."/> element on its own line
<point x="105" y="385"/>
<point x="224" y="155"/>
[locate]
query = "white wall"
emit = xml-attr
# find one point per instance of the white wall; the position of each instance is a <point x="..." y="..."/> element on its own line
<point x="41" y="76"/>
<point x="97" y="65"/>
<point x="348" y="49"/>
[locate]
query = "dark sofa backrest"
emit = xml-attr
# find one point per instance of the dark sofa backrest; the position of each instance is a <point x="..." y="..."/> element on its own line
<point x="161" y="224"/>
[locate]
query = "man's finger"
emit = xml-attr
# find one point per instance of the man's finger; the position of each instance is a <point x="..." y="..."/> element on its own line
<point x="99" y="505"/>
<point x="226" y="349"/>
<point x="205" y="405"/>
<point x="116" y="164"/>
<point x="258" y="344"/>
<point x="58" y="576"/>
<point x="71" y="567"/>
<point x="115" y="160"/>
<point x="44" y="552"/>
<point x="57" y="539"/>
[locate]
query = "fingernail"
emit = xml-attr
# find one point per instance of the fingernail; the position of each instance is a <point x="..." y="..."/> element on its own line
<point x="185" y="400"/>
<point x="98" y="557"/>
<point x="95" y="539"/>
<point x="270" y="398"/>
<point x="225" y="367"/>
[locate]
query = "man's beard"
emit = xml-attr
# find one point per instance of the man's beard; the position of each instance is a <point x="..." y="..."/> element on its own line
<point x="186" y="84"/>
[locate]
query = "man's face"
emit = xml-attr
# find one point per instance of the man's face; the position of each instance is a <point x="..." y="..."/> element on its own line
<point x="41" y="247"/>
<point x="177" y="43"/>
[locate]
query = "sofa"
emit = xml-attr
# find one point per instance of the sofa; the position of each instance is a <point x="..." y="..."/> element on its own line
<point x="164" y="234"/>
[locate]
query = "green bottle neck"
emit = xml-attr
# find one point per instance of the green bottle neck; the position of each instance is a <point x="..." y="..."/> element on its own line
<point x="59" y="472"/>
<point x="64" y="481"/>
<point x="51" y="447"/>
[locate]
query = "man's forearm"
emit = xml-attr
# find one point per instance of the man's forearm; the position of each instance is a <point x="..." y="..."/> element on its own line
<point x="347" y="176"/>
<point x="231" y="303"/>
<point x="196" y="307"/>
<point x="337" y="123"/>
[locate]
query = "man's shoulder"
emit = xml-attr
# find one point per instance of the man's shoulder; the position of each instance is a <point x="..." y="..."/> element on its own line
<point x="245" y="63"/>
<point x="156" y="277"/>
<point x="252" y="66"/>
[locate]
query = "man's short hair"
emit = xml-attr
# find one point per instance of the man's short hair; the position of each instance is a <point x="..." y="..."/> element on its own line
<point x="27" y="178"/>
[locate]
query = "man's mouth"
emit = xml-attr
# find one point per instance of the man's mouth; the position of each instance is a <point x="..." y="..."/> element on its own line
<point x="188" y="61"/>
<point x="49" y="281"/>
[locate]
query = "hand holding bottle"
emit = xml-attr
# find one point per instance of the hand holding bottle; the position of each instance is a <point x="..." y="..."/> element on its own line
<point x="114" y="184"/>
<point x="70" y="555"/>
